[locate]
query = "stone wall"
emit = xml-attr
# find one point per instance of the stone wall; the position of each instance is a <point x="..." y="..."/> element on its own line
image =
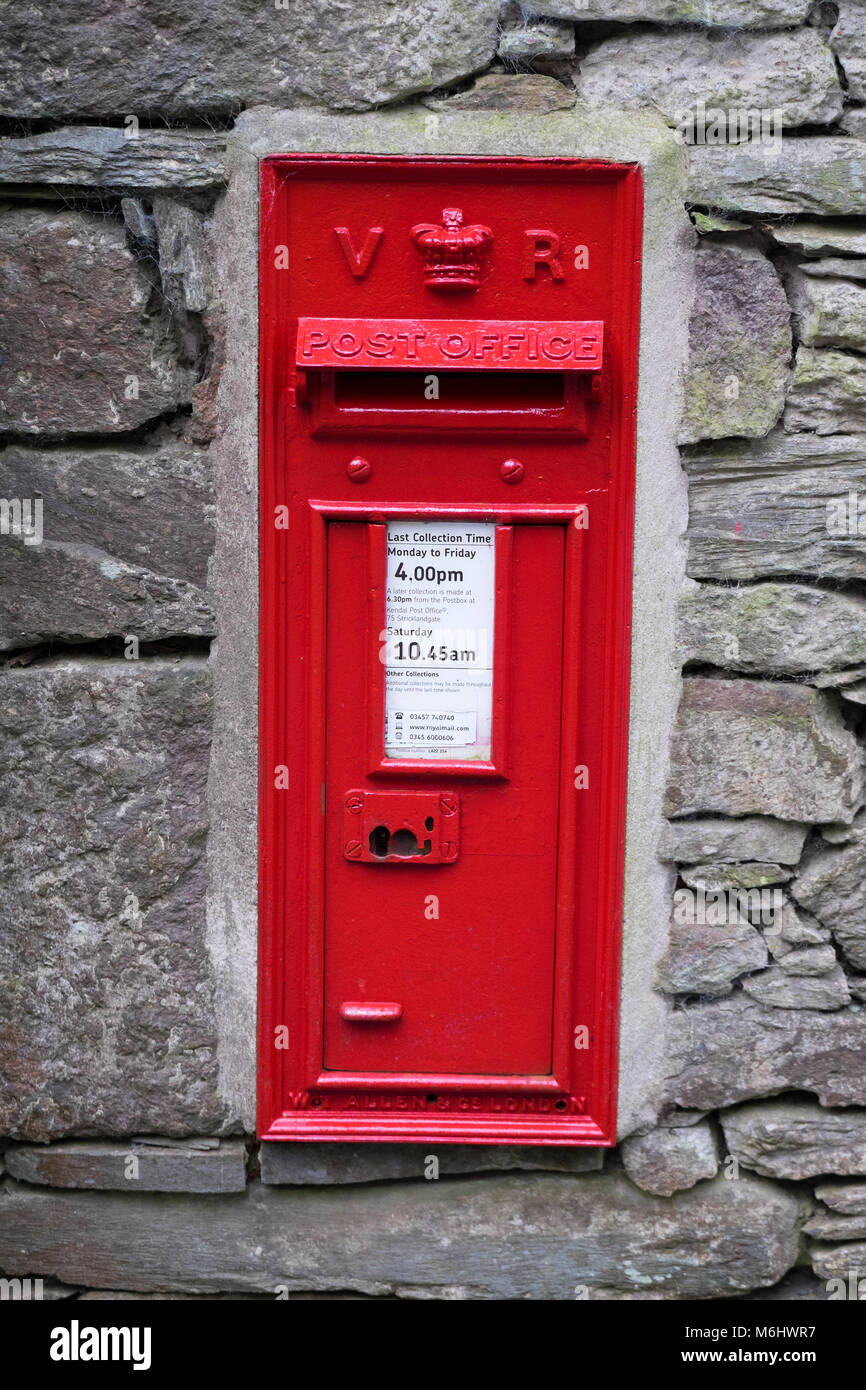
<point x="125" y="956"/>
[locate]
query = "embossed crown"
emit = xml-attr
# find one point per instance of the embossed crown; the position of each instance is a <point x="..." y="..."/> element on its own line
<point x="452" y="253"/>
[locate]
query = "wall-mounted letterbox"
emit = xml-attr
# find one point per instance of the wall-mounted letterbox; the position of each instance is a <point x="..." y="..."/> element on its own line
<point x="448" y="382"/>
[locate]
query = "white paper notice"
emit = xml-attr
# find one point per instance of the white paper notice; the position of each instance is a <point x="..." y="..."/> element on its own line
<point x="438" y="639"/>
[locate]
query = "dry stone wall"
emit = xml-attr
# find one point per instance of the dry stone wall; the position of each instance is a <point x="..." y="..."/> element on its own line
<point x="126" y="1163"/>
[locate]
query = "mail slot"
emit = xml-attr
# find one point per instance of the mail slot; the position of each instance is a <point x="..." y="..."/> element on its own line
<point x="448" y="367"/>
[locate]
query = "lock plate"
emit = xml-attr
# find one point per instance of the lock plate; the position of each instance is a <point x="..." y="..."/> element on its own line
<point x="397" y="827"/>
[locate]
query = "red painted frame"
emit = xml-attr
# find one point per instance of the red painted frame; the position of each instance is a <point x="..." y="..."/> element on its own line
<point x="297" y="1100"/>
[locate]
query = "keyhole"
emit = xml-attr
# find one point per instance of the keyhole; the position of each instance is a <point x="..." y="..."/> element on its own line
<point x="403" y="843"/>
<point x="379" y="841"/>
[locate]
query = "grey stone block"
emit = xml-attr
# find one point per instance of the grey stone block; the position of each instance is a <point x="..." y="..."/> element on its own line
<point x="828" y="312"/>
<point x="730" y="1050"/>
<point x="822" y="237"/>
<point x="781" y="990"/>
<point x="128" y="534"/>
<point x="734" y="878"/>
<point x="848" y="41"/>
<point x="846" y="682"/>
<point x="106" y="157"/>
<point x="831" y="267"/>
<point x="827" y="393"/>
<point x="132" y="1167"/>
<point x="706" y="960"/>
<point x="798" y="928"/>
<point x="670" y="1160"/>
<point x="219" y="56"/>
<point x="527" y="38"/>
<point x="325" y="1164"/>
<point x="530" y="93"/>
<point x="138" y="219"/>
<point x="714" y="14"/>
<point x="847" y="1198"/>
<point x="106" y="983"/>
<point x="844" y="1269"/>
<point x="855" y="693"/>
<point x="73" y="592"/>
<point x="826" y="1225"/>
<point x="734" y="841"/>
<point x="777" y="506"/>
<point x="809" y="960"/>
<point x="773" y="627"/>
<point x="796" y="1138"/>
<point x="739" y="345"/>
<point x="813" y="175"/>
<point x="86" y="349"/>
<point x="741" y="747"/>
<point x="520" y="1236"/>
<point x="184" y="265"/>
<point x="833" y="887"/>
<point x="853" y="121"/>
<point x="792" y="75"/>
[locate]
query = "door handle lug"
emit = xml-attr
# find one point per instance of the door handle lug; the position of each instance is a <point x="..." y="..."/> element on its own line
<point x="360" y="1011"/>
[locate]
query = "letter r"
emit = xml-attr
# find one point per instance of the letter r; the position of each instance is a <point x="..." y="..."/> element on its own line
<point x="541" y="248"/>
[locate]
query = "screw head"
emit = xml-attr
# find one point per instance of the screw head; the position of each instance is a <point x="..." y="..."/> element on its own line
<point x="359" y="469"/>
<point x="352" y="849"/>
<point x="511" y="471"/>
<point x="354" y="802"/>
<point x="448" y="803"/>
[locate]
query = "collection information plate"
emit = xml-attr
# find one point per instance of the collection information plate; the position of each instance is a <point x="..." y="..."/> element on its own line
<point x="438" y="640"/>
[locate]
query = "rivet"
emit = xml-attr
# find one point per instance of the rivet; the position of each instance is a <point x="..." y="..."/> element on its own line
<point x="511" y="471"/>
<point x="359" y="469"/>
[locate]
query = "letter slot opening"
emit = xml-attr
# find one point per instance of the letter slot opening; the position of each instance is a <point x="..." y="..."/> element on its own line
<point x="449" y="390"/>
<point x="365" y="402"/>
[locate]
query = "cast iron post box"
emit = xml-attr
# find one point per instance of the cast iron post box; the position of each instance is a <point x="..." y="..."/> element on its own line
<point x="448" y="382"/>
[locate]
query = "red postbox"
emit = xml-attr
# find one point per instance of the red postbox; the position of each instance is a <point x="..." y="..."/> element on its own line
<point x="448" y="383"/>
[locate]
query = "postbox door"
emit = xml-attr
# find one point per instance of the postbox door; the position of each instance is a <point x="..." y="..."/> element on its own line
<point x="444" y="963"/>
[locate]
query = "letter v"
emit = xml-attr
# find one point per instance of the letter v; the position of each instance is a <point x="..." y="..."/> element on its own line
<point x="359" y="262"/>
